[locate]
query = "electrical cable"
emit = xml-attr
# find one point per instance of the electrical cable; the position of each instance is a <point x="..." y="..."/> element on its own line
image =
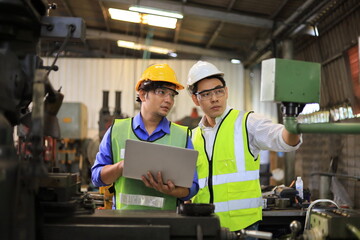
<point x="71" y="30"/>
<point x="307" y="225"/>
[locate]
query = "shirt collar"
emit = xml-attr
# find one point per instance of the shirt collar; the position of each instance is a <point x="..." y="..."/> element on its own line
<point x="217" y="119"/>
<point x="164" y="124"/>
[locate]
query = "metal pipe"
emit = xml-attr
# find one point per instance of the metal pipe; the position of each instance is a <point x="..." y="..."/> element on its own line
<point x="105" y="106"/>
<point x="293" y="126"/>
<point x="117" y="111"/>
<point x="335" y="175"/>
<point x="288" y="53"/>
<point x="290" y="23"/>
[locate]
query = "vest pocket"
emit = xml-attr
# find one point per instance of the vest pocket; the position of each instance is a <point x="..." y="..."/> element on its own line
<point x="244" y="186"/>
<point x="243" y="212"/>
<point x="225" y="166"/>
<point x="245" y="194"/>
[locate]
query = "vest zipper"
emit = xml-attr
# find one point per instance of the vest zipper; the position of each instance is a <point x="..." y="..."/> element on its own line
<point x="210" y="180"/>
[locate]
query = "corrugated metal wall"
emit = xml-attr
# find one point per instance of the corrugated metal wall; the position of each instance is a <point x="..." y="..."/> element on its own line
<point x="84" y="80"/>
<point x="314" y="157"/>
<point x="336" y="88"/>
<point x="338" y="32"/>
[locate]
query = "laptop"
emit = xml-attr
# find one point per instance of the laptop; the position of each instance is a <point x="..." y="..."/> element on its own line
<point x="175" y="163"/>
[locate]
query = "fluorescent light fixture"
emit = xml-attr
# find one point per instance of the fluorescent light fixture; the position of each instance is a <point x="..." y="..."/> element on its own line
<point x="235" y="61"/>
<point x="135" y="17"/>
<point x="158" y="50"/>
<point x="156" y="12"/>
<point x="159" y="21"/>
<point x="124" y="15"/>
<point x="136" y="46"/>
<point x="127" y="44"/>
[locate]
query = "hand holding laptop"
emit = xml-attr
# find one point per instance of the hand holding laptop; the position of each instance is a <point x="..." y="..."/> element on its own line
<point x="174" y="163"/>
<point x="157" y="183"/>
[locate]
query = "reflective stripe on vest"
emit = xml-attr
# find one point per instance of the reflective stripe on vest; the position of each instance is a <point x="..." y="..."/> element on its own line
<point x="234" y="181"/>
<point x="141" y="200"/>
<point x="231" y="177"/>
<point x="238" y="204"/>
<point x="132" y="193"/>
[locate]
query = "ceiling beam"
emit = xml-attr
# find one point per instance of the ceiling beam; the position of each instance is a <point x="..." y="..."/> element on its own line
<point x="66" y="6"/>
<point x="279" y="9"/>
<point x="225" y="16"/>
<point x="105" y="15"/>
<point x="177" y="30"/>
<point x="97" y="34"/>
<point x="219" y="27"/>
<point x="281" y="31"/>
<point x="215" y="34"/>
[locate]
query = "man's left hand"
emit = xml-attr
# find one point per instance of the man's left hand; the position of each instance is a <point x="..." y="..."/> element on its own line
<point x="158" y="184"/>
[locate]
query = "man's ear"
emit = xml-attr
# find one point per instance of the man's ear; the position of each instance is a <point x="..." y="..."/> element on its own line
<point x="195" y="100"/>
<point x="142" y="95"/>
<point x="226" y="92"/>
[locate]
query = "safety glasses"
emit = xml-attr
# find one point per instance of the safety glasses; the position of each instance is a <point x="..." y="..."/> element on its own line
<point x="218" y="91"/>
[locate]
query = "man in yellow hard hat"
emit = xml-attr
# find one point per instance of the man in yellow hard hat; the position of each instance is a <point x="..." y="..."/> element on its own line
<point x="156" y="89"/>
<point x="229" y="142"/>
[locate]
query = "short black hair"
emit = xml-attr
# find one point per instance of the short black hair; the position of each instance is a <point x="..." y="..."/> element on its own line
<point x="149" y="85"/>
<point x="218" y="76"/>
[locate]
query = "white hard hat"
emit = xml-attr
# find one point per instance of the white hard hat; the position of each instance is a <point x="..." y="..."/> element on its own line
<point x="201" y="70"/>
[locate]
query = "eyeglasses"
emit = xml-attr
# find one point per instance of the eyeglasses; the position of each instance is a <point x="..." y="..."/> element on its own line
<point x="218" y="91"/>
<point x="164" y="91"/>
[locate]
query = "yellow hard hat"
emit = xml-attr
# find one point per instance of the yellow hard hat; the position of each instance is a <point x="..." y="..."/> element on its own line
<point x="159" y="72"/>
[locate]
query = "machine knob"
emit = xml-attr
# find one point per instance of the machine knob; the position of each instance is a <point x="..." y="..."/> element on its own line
<point x="295" y="227"/>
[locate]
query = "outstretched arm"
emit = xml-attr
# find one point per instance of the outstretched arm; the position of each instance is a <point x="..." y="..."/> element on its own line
<point x="290" y="138"/>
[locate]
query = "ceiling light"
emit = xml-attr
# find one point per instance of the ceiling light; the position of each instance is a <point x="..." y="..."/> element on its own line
<point x="127" y="44"/>
<point x="173" y="54"/>
<point x="307" y="29"/>
<point x="235" y="61"/>
<point x="136" y="46"/>
<point x="158" y="50"/>
<point x="124" y="15"/>
<point x="135" y="17"/>
<point x="156" y="12"/>
<point x="159" y="21"/>
<point x="312" y="30"/>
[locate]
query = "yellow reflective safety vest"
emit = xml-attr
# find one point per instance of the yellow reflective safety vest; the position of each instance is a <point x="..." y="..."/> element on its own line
<point x="230" y="179"/>
<point x="132" y="193"/>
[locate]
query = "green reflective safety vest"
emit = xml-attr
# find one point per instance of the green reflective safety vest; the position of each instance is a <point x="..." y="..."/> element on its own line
<point x="132" y="193"/>
<point x="230" y="180"/>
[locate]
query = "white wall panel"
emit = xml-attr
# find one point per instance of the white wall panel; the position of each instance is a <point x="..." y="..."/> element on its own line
<point x="268" y="109"/>
<point x="84" y="80"/>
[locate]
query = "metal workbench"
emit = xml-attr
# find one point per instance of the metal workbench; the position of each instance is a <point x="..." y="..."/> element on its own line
<point x="278" y="221"/>
<point x="133" y="224"/>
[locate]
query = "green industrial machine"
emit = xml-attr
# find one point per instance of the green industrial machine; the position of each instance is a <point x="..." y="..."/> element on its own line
<point x="285" y="80"/>
<point x="295" y="83"/>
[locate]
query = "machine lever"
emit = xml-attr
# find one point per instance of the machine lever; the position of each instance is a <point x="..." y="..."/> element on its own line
<point x="255" y="234"/>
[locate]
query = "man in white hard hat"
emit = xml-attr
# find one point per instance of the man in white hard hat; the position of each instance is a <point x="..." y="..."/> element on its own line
<point x="229" y="142"/>
<point x="156" y="93"/>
